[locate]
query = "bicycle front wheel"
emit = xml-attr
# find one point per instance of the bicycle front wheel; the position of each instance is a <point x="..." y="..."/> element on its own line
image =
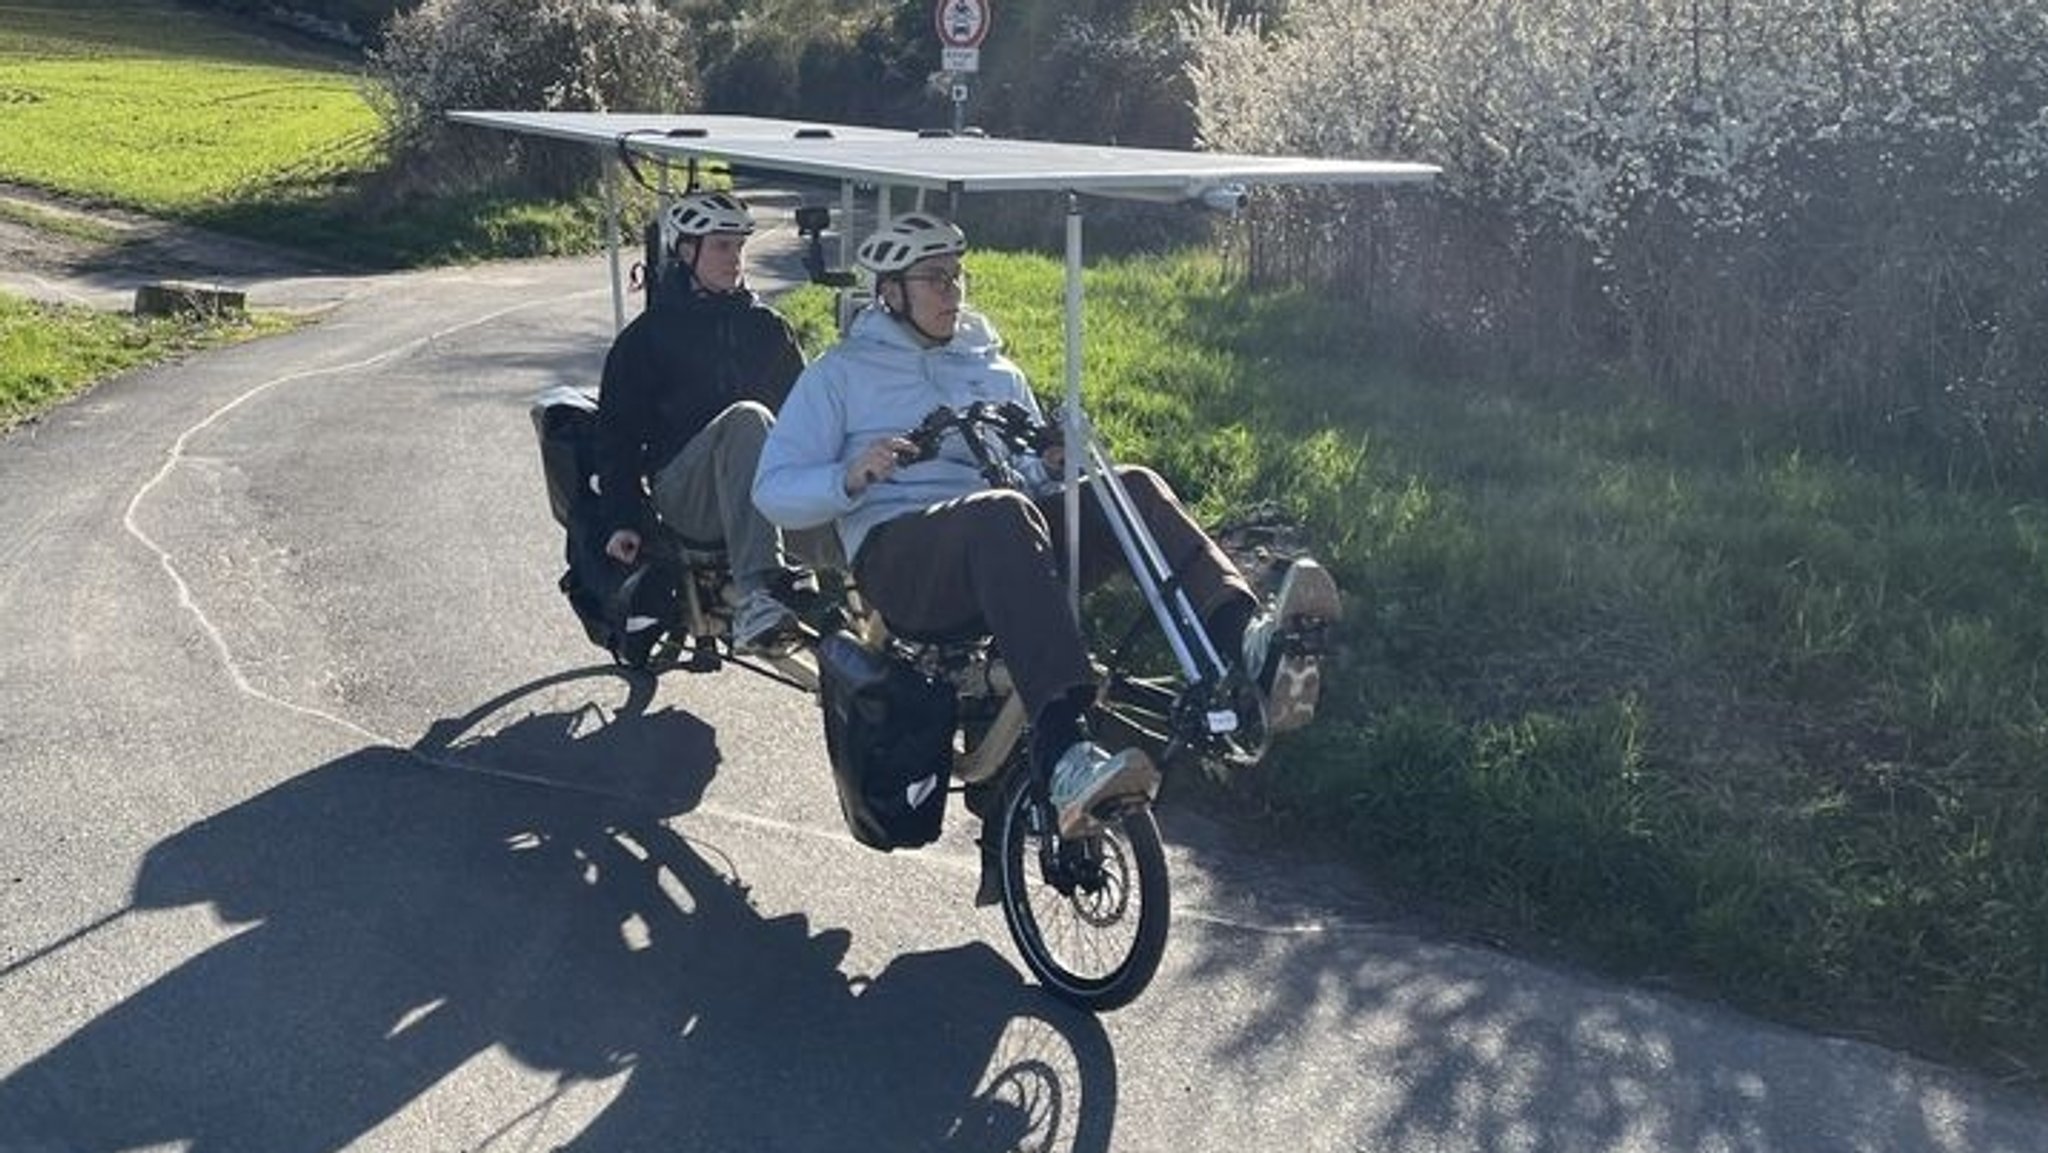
<point x="1090" y="915"/>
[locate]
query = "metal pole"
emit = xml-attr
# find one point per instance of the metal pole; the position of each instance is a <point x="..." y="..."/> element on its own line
<point x="1073" y="431"/>
<point x="844" y="299"/>
<point x="846" y="224"/>
<point x="1177" y="617"/>
<point x="611" y="241"/>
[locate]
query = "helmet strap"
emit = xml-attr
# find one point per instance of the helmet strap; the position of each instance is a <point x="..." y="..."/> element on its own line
<point x="689" y="267"/>
<point x="689" y="264"/>
<point x="903" y="315"/>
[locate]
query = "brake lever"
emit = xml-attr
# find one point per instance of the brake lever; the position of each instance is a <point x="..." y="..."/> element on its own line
<point x="925" y="437"/>
<point x="1023" y="432"/>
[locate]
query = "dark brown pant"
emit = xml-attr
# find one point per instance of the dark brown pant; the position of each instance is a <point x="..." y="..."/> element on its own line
<point x="994" y="562"/>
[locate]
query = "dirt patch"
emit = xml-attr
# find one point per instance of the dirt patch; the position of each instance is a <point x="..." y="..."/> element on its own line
<point x="60" y="250"/>
<point x="41" y="235"/>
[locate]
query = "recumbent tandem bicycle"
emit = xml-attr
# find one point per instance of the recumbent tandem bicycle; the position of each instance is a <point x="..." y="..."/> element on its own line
<point x="909" y="720"/>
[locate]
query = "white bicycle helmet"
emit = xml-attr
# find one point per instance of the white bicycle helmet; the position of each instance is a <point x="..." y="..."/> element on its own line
<point x="908" y="238"/>
<point x="703" y="213"/>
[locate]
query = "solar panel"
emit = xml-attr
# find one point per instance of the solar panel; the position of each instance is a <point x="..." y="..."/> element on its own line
<point x="888" y="158"/>
<point x="946" y="162"/>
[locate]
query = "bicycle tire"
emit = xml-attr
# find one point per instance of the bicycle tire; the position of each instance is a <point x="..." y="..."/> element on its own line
<point x="1097" y="944"/>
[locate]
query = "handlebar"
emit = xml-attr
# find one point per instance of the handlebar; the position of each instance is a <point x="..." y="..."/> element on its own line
<point x="1010" y="423"/>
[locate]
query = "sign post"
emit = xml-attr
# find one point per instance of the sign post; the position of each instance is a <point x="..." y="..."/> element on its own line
<point x="962" y="26"/>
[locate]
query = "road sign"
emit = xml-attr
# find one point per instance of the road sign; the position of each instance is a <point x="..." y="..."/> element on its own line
<point x="960" y="59"/>
<point x="961" y="23"/>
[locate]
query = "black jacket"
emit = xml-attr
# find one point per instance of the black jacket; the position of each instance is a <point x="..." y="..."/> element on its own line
<point x="675" y="367"/>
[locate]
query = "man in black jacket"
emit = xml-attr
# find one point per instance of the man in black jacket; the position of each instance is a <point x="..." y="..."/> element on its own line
<point x="690" y="390"/>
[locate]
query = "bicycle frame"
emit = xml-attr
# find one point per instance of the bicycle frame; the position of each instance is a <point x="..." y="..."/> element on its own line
<point x="1203" y="667"/>
<point x="704" y="579"/>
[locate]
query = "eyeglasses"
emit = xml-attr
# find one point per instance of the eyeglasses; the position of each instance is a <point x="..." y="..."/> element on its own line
<point x="957" y="280"/>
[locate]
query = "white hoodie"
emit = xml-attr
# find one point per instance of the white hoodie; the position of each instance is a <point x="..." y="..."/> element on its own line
<point x="879" y="381"/>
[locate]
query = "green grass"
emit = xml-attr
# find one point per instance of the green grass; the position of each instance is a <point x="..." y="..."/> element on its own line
<point x="186" y="114"/>
<point x="1642" y="684"/>
<point x="167" y="109"/>
<point x="50" y="353"/>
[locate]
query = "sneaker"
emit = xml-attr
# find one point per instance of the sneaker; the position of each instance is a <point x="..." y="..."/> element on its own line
<point x="763" y="626"/>
<point x="789" y="583"/>
<point x="797" y="589"/>
<point x="1283" y="647"/>
<point x="1086" y="776"/>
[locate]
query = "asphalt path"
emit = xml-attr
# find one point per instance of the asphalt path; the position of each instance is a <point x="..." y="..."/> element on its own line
<point x="322" y="827"/>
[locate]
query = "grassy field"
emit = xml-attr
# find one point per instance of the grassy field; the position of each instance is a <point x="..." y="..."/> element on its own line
<point x="168" y="109"/>
<point x="188" y="115"/>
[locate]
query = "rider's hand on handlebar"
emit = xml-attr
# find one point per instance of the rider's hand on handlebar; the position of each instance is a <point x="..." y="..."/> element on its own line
<point x="877" y="462"/>
<point x="623" y="546"/>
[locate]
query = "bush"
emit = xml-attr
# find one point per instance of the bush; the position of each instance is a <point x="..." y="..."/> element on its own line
<point x="1816" y="208"/>
<point x="554" y="55"/>
<point x="1093" y="70"/>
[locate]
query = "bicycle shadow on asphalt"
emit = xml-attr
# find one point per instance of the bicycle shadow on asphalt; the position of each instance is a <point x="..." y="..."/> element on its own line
<point x="593" y="731"/>
<point x="405" y="919"/>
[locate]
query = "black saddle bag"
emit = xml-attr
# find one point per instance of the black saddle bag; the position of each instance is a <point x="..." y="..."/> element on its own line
<point x="889" y="733"/>
<point x="624" y="610"/>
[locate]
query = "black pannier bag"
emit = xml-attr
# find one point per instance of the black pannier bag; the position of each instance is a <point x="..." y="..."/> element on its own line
<point x="624" y="610"/>
<point x="889" y="733"/>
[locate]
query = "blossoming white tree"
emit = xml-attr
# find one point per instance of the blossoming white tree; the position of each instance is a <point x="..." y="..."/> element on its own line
<point x="1832" y="205"/>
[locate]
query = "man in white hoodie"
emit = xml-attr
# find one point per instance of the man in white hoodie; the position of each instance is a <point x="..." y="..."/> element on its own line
<point x="936" y="550"/>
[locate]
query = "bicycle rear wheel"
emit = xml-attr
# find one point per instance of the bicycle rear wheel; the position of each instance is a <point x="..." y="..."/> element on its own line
<point x="1090" y="915"/>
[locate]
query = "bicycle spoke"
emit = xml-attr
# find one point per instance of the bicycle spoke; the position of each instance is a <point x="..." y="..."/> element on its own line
<point x="1090" y="916"/>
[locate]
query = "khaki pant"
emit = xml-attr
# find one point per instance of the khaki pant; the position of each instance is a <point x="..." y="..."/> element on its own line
<point x="705" y="495"/>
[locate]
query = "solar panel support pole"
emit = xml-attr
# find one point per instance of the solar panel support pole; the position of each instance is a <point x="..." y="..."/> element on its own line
<point x="846" y="223"/>
<point x="611" y="241"/>
<point x="1071" y="466"/>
